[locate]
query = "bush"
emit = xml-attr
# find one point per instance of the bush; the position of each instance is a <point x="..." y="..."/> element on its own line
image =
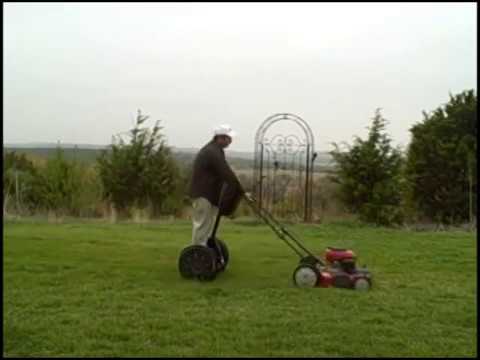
<point x="56" y="186"/>
<point x="369" y="175"/>
<point x="18" y="176"/>
<point x="140" y="174"/>
<point x="441" y="168"/>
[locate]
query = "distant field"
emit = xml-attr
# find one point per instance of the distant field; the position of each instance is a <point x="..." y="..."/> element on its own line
<point x="183" y="157"/>
<point x="95" y="289"/>
<point x="84" y="155"/>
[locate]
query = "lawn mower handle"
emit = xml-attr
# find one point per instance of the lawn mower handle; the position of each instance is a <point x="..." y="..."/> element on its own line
<point x="281" y="232"/>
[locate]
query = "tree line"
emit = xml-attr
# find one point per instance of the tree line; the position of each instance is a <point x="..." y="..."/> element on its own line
<point x="434" y="180"/>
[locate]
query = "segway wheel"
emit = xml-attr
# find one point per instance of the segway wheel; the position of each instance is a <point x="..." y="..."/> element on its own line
<point x="362" y="285"/>
<point x="197" y="261"/>
<point x="226" y="255"/>
<point x="306" y="276"/>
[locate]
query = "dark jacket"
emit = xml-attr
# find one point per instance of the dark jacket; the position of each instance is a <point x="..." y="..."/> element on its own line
<point x="210" y="172"/>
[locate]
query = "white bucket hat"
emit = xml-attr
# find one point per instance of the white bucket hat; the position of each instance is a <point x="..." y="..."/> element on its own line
<point x="224" y="129"/>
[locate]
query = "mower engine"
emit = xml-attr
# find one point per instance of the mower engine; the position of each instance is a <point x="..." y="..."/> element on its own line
<point x="338" y="270"/>
<point x="342" y="259"/>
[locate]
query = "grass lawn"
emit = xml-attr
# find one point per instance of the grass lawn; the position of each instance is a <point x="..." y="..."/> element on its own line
<point x="97" y="289"/>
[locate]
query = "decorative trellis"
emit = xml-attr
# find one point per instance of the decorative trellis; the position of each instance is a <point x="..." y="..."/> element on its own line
<point x="283" y="168"/>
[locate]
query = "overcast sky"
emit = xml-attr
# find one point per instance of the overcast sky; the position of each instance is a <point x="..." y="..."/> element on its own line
<point x="78" y="72"/>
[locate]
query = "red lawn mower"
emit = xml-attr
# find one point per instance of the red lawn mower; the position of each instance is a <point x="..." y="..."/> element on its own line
<point x="337" y="270"/>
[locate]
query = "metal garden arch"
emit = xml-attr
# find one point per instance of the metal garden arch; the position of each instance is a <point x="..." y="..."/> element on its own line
<point x="283" y="168"/>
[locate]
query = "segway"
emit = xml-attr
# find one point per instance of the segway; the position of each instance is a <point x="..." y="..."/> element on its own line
<point x="205" y="262"/>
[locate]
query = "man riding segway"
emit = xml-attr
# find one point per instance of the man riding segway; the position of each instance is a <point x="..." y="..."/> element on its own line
<point x="215" y="191"/>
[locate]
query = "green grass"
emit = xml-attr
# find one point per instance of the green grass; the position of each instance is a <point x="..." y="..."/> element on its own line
<point x="94" y="289"/>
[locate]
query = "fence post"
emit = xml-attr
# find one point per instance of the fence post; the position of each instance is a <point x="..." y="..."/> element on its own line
<point x="470" y="195"/>
<point x="16" y="191"/>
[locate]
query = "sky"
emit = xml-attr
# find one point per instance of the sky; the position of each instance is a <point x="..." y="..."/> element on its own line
<point x="79" y="72"/>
